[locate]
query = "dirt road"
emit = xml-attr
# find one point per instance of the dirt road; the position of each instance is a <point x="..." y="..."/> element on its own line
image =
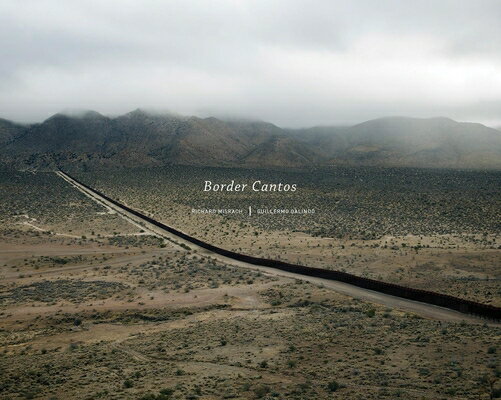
<point x="423" y="309"/>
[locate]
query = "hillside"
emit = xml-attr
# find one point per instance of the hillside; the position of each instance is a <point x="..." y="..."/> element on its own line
<point x="9" y="131"/>
<point x="402" y="141"/>
<point x="139" y="138"/>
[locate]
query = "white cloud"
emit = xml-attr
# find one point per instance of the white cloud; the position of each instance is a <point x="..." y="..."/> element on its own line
<point x="291" y="62"/>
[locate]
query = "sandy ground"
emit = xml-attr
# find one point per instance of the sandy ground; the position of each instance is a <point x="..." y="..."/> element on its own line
<point x="96" y="318"/>
<point x="350" y="290"/>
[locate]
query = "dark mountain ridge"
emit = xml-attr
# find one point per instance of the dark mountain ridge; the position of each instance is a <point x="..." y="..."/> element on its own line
<point x="139" y="138"/>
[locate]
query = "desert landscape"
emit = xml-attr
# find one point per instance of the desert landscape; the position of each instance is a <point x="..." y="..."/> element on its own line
<point x="275" y="200"/>
<point x="94" y="306"/>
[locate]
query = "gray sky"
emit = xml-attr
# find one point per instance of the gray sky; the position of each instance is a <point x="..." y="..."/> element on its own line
<point x="293" y="63"/>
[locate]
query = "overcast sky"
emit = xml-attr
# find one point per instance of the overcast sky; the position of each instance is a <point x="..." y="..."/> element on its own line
<point x="293" y="63"/>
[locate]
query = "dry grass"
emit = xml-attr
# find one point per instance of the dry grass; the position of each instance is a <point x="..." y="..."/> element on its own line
<point x="106" y="317"/>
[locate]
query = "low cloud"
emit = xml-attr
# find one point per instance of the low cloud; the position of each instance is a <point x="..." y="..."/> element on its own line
<point x="294" y="63"/>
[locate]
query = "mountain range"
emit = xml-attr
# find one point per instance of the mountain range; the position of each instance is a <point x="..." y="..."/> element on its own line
<point x="140" y="138"/>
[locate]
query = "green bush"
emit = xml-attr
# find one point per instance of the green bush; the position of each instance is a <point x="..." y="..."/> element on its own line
<point x="332" y="386"/>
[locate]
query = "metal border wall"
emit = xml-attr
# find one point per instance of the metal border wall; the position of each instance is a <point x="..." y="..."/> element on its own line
<point x="424" y="296"/>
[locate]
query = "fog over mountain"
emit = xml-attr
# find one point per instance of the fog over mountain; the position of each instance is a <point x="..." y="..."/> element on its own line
<point x="139" y="138"/>
<point x="295" y="63"/>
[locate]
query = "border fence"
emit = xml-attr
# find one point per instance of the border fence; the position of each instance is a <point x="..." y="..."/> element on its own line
<point x="424" y="296"/>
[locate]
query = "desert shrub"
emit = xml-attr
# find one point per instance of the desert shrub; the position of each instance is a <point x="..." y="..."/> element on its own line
<point x="167" y="392"/>
<point x="261" y="391"/>
<point x="333" y="386"/>
<point x="370" y="313"/>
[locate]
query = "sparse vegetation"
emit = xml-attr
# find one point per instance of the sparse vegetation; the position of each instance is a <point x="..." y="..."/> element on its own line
<point x="122" y="314"/>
